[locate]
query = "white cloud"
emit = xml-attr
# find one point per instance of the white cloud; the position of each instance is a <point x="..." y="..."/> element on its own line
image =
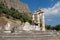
<point x="49" y="20"/>
<point x="53" y="11"/>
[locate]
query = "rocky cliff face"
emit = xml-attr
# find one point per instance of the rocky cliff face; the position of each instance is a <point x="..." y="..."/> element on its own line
<point x="21" y="7"/>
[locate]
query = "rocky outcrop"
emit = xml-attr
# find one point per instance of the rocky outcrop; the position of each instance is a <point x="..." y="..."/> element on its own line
<point x="21" y="7"/>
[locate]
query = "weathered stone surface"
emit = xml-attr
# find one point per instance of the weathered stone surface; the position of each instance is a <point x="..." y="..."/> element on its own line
<point x="29" y="27"/>
<point x="21" y="7"/>
<point x="33" y="35"/>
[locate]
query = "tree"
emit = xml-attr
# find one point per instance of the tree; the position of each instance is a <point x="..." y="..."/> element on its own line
<point x="48" y="27"/>
<point x="57" y="27"/>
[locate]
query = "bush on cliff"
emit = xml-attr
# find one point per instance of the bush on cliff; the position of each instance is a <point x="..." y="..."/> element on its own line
<point x="14" y="13"/>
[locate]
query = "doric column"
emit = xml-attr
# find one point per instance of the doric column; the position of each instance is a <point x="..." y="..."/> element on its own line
<point x="38" y="19"/>
<point x="43" y="22"/>
<point x="33" y="17"/>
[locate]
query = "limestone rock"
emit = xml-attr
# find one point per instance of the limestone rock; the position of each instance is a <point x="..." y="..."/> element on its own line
<point x="26" y="26"/>
<point x="21" y="7"/>
<point x="29" y="27"/>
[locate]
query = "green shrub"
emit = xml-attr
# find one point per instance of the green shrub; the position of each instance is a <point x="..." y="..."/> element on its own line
<point x="14" y="13"/>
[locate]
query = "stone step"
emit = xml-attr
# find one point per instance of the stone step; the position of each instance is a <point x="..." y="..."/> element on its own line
<point x="26" y="36"/>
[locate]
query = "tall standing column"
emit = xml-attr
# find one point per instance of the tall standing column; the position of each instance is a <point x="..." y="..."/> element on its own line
<point x="38" y="16"/>
<point x="33" y="18"/>
<point x="43" y="22"/>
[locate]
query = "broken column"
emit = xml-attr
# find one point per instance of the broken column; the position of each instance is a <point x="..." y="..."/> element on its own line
<point x="7" y="28"/>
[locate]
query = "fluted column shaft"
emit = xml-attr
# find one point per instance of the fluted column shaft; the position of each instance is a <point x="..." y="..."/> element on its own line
<point x="38" y="19"/>
<point x="33" y="17"/>
<point x="43" y="22"/>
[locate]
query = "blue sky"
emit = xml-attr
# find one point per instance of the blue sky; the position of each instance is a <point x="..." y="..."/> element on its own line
<point x="52" y="9"/>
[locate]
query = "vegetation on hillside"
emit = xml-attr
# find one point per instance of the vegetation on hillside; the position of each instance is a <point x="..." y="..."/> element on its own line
<point x="14" y="14"/>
